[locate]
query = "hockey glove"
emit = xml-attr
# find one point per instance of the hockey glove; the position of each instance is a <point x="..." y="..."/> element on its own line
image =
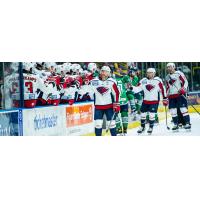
<point x="116" y="107"/>
<point x="165" y="102"/>
<point x="182" y="91"/>
<point x="71" y="101"/>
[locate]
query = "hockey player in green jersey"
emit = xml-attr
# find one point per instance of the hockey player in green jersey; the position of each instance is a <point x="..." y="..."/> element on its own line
<point x="135" y="99"/>
<point x="122" y="118"/>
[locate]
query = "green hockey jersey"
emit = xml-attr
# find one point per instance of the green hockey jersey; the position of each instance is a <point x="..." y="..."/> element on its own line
<point x="121" y="84"/>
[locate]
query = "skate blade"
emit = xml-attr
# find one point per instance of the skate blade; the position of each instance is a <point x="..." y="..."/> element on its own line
<point x="141" y="133"/>
<point x="149" y="133"/>
<point x="188" y="130"/>
<point x="175" y="131"/>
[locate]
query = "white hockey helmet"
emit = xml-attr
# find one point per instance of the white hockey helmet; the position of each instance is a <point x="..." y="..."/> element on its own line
<point x="106" y="68"/>
<point x="27" y="66"/>
<point x="92" y="67"/>
<point x="171" y="65"/>
<point x="67" y="67"/>
<point x="76" y="67"/>
<point x="67" y="64"/>
<point x="80" y="70"/>
<point x="152" y="70"/>
<point x="59" y="69"/>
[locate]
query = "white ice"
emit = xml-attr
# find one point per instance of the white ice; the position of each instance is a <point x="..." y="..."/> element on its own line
<point x="161" y="129"/>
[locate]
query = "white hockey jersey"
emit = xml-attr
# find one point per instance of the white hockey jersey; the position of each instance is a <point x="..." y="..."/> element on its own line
<point x="69" y="93"/>
<point x="85" y="90"/>
<point x="174" y="83"/>
<point x="151" y="89"/>
<point x="105" y="93"/>
<point x="31" y="83"/>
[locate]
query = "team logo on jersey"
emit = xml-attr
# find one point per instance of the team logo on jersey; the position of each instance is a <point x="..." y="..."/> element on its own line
<point x="172" y="81"/>
<point x="102" y="90"/>
<point x="150" y="87"/>
<point x="95" y="83"/>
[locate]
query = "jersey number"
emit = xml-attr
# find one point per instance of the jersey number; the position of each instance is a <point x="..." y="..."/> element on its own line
<point x="29" y="86"/>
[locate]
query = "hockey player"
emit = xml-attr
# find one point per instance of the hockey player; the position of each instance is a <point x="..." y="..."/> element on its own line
<point x="92" y="69"/>
<point x="127" y="84"/>
<point x="50" y="66"/>
<point x="78" y="80"/>
<point x="44" y="92"/>
<point x="106" y="95"/>
<point x="177" y="85"/>
<point x="30" y="86"/>
<point x="122" y="117"/>
<point x="75" y="69"/>
<point x="151" y="86"/>
<point x="31" y="83"/>
<point x="69" y="91"/>
<point x="54" y="85"/>
<point x="85" y="93"/>
<point x="134" y="80"/>
<point x="68" y="68"/>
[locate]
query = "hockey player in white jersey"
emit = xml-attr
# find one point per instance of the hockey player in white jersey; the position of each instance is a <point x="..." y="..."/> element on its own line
<point x="69" y="91"/>
<point x="151" y="87"/>
<point x="85" y="93"/>
<point x="177" y="86"/>
<point x="106" y="101"/>
<point x="43" y="92"/>
<point x="32" y="83"/>
<point x="30" y="86"/>
<point x="53" y="84"/>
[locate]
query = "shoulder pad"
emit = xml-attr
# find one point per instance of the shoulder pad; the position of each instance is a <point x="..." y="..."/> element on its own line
<point x="179" y="72"/>
<point x="158" y="79"/>
<point x="143" y="81"/>
<point x="112" y="80"/>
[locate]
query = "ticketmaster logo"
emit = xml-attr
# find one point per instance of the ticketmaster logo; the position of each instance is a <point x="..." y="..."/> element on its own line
<point x="45" y="121"/>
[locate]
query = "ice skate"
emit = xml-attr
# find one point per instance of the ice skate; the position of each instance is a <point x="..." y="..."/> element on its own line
<point x="150" y="130"/>
<point x="175" y="127"/>
<point x="141" y="130"/>
<point x="187" y="127"/>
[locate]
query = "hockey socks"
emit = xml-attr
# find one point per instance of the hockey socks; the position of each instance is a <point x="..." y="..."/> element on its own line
<point x="113" y="132"/>
<point x="98" y="131"/>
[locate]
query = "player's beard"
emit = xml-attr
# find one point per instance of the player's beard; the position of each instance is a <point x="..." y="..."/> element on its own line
<point x="104" y="77"/>
<point x="150" y="76"/>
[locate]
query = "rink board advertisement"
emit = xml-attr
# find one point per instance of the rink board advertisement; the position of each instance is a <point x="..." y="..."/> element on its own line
<point x="80" y="119"/>
<point x="10" y="123"/>
<point x="44" y="121"/>
<point x="194" y="98"/>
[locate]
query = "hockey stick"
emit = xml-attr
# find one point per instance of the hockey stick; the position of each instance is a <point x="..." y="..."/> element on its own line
<point x="185" y="97"/>
<point x="166" y="118"/>
<point x="110" y="122"/>
<point x="191" y="104"/>
<point x="121" y="123"/>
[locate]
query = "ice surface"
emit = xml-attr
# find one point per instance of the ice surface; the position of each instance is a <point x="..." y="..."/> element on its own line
<point x="161" y="129"/>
